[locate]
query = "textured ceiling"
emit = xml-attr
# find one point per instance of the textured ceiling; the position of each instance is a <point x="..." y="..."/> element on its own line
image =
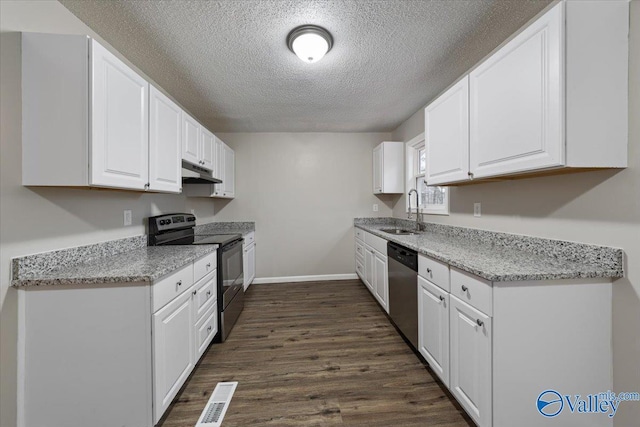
<point x="228" y="64"/>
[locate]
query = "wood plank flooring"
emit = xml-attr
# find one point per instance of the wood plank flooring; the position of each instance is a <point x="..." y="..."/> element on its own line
<point x="317" y="354"/>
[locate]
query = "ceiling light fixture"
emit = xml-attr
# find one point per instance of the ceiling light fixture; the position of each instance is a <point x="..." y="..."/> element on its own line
<point x="309" y="42"/>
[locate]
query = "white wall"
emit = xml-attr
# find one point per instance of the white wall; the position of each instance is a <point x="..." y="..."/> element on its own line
<point x="592" y="207"/>
<point x="303" y="191"/>
<point x="40" y="219"/>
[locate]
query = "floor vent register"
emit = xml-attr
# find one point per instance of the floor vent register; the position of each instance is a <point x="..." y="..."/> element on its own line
<point x="217" y="405"/>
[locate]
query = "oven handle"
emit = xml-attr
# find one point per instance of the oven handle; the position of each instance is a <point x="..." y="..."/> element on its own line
<point x="231" y="245"/>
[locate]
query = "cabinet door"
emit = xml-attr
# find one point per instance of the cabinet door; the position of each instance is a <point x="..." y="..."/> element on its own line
<point x="369" y="267"/>
<point x="165" y="139"/>
<point x="249" y="265"/>
<point x="377" y="169"/>
<point x="447" y="135"/>
<point x="229" y="179"/>
<point x="191" y="143"/>
<point x="382" y="280"/>
<point x="433" y="327"/>
<point x="470" y="360"/>
<point x="119" y="123"/>
<point x="517" y="102"/>
<point x="218" y="170"/>
<point x="173" y="350"/>
<point x="207" y="149"/>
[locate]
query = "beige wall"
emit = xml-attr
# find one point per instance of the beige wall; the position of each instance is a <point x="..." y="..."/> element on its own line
<point x="593" y="207"/>
<point x="285" y="182"/>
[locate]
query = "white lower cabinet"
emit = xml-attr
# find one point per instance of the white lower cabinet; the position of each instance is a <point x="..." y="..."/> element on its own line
<point x="371" y="265"/>
<point x="173" y="350"/>
<point x="498" y="345"/>
<point x="380" y="286"/>
<point x="249" y="260"/>
<point x="470" y="360"/>
<point x="113" y="354"/>
<point x="433" y="327"/>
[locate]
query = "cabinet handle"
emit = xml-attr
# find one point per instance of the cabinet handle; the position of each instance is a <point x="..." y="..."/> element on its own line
<point x="479" y="322"/>
<point x="464" y="288"/>
<point x="179" y="283"/>
<point x="208" y="294"/>
<point x="470" y="175"/>
<point x="428" y="270"/>
<point x="441" y="298"/>
<point x="208" y="265"/>
<point x="194" y="292"/>
<point x="146" y="186"/>
<point x="209" y="329"/>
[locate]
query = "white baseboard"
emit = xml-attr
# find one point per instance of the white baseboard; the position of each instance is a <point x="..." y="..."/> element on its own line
<point x="317" y="278"/>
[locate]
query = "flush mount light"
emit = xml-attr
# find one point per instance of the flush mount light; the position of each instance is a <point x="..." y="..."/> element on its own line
<point x="309" y="42"/>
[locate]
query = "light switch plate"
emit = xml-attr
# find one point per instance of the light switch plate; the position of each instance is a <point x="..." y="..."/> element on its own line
<point x="375" y="207"/>
<point x="127" y="217"/>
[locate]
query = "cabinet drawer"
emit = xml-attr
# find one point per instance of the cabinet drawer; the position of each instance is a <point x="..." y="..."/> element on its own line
<point x="172" y="285"/>
<point x="249" y="239"/>
<point x="204" y="266"/>
<point x="205" y="294"/>
<point x="377" y="243"/>
<point x="360" y="234"/>
<point x="360" y="251"/>
<point x="436" y="272"/>
<point x="473" y="290"/>
<point x="360" y="268"/>
<point x="205" y="330"/>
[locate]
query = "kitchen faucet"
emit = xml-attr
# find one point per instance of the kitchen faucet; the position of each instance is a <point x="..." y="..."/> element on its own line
<point x="413" y="190"/>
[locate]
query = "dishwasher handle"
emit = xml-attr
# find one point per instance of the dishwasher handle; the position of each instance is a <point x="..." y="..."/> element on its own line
<point x="405" y="256"/>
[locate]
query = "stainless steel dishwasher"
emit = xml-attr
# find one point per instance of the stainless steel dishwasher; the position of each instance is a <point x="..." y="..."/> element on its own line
<point x="403" y="290"/>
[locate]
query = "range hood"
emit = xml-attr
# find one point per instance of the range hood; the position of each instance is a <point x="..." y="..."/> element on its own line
<point x="192" y="174"/>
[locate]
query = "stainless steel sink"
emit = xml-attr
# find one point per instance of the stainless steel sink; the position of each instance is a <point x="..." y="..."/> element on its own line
<point x="400" y="231"/>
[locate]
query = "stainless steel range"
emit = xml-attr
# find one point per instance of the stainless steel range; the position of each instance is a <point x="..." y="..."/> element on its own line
<point x="179" y="229"/>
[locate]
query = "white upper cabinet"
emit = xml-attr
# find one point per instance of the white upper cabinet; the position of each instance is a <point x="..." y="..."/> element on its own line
<point x="552" y="97"/>
<point x="165" y="136"/>
<point x="191" y="142"/>
<point x="516" y="102"/>
<point x="198" y="143"/>
<point x="224" y="167"/>
<point x="119" y="123"/>
<point x="388" y="168"/>
<point x="89" y="120"/>
<point x="229" y="177"/>
<point x="447" y="135"/>
<point x="207" y="149"/>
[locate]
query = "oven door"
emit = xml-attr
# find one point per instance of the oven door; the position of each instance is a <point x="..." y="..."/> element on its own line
<point x="230" y="269"/>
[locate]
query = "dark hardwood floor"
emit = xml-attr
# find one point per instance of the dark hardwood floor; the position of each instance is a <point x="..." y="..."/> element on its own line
<point x="315" y="354"/>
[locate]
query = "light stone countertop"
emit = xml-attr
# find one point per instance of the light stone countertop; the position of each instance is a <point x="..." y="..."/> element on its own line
<point x="145" y="264"/>
<point x="515" y="258"/>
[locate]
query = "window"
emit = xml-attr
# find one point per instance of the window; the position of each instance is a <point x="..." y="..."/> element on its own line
<point x="431" y="199"/>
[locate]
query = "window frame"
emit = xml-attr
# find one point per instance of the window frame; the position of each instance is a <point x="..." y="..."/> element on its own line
<point x="412" y="148"/>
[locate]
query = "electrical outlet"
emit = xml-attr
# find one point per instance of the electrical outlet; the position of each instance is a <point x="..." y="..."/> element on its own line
<point x="127" y="217"/>
<point x="375" y="207"/>
<point x="477" y="209"/>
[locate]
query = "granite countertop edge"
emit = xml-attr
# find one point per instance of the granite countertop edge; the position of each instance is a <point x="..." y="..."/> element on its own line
<point x="579" y="272"/>
<point x="178" y="258"/>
